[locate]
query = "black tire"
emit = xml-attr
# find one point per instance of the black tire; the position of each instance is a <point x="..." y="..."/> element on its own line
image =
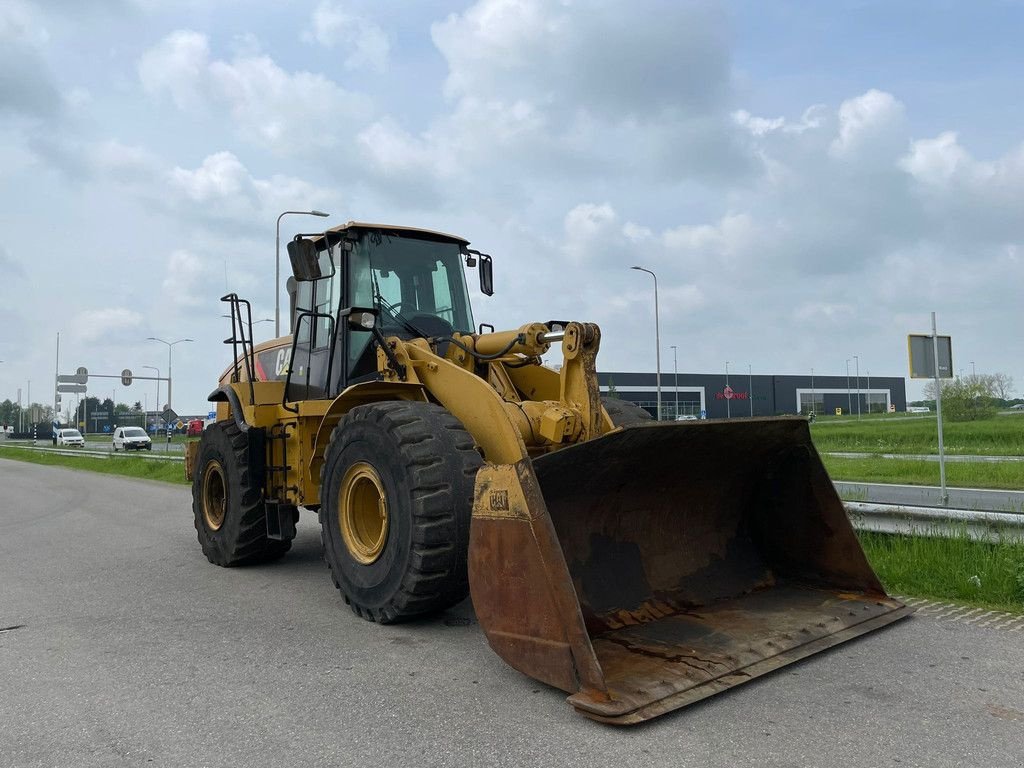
<point x="623" y="413"/>
<point x="422" y="464"/>
<point x="227" y="502"/>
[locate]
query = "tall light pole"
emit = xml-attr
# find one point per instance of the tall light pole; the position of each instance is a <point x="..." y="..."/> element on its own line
<point x="154" y="368"/>
<point x="675" y="384"/>
<point x="657" y="337"/>
<point x="857" y="360"/>
<point x="974" y="371"/>
<point x="869" y="393"/>
<point x="728" y="399"/>
<point x="277" y="273"/>
<point x="849" y="399"/>
<point x="814" y="402"/>
<point x="170" y="346"/>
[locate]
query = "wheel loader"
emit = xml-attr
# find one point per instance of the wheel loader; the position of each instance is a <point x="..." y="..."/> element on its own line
<point x="638" y="566"/>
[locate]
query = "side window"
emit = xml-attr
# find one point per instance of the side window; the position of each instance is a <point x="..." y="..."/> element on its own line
<point x="303" y="303"/>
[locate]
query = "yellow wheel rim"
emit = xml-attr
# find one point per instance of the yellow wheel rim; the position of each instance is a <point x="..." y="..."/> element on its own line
<point x="363" y="513"/>
<point x="215" y="496"/>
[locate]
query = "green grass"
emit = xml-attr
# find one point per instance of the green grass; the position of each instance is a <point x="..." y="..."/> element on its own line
<point x="945" y="569"/>
<point x="998" y="436"/>
<point x="1005" y="474"/>
<point x="125" y="466"/>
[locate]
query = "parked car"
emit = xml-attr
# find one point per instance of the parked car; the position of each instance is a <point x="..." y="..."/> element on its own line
<point x="70" y="437"/>
<point x="687" y="417"/>
<point x="132" y="439"/>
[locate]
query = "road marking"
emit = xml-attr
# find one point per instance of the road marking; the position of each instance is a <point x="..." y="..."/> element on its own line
<point x="964" y="614"/>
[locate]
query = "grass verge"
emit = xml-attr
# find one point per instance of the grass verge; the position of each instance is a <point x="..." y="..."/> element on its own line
<point x="124" y="466"/>
<point x="986" y="574"/>
<point x="999" y="436"/>
<point x="1006" y="474"/>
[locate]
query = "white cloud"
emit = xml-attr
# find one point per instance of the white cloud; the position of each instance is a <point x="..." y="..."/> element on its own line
<point x="367" y="44"/>
<point x="108" y="325"/>
<point x="186" y="278"/>
<point x="287" y="112"/>
<point x="868" y="125"/>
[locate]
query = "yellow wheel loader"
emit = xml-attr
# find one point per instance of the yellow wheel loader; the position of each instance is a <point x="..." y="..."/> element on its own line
<point x="636" y="565"/>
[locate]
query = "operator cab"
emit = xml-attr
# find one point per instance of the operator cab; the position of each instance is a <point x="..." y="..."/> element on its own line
<point x="408" y="282"/>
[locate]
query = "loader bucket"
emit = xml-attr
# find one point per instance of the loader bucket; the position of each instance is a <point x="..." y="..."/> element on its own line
<point x="660" y="564"/>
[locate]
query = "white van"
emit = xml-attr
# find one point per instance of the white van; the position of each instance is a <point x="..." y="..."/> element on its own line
<point x="70" y="437"/>
<point x="132" y="439"/>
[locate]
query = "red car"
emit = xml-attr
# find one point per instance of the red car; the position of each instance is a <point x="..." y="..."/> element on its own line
<point x="195" y="427"/>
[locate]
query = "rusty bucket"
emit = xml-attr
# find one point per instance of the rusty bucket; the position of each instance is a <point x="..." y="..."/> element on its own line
<point x="660" y="564"/>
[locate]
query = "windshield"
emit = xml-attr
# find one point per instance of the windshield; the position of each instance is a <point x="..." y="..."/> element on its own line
<point x="72" y="433"/>
<point x="416" y="283"/>
<point x="134" y="432"/>
<point x="415" y="278"/>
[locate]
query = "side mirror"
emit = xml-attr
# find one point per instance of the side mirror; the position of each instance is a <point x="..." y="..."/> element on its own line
<point x="360" y="318"/>
<point x="486" y="275"/>
<point x="305" y="260"/>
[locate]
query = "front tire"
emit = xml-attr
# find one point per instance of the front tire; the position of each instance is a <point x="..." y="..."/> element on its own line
<point x="396" y="496"/>
<point x="227" y="502"/>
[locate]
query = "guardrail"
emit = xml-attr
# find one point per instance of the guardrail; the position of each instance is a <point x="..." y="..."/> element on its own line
<point x="936" y="521"/>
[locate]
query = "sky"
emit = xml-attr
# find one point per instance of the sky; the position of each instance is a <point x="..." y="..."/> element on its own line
<point x="809" y="181"/>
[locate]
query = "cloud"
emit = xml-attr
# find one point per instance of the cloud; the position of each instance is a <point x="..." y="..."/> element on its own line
<point x="288" y="113"/>
<point x="28" y="88"/>
<point x="109" y="325"/>
<point x="367" y="44"/>
<point x="187" y="278"/>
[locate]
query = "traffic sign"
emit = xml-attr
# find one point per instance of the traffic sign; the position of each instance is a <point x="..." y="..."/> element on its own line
<point x="211" y="415"/>
<point x="839" y="411"/>
<point x="126" y="377"/>
<point x="169" y="415"/>
<point x="921" y="350"/>
<point x="892" y="407"/>
<point x="703" y="414"/>
<point x="71" y="387"/>
<point x="82" y="371"/>
<point x="179" y="424"/>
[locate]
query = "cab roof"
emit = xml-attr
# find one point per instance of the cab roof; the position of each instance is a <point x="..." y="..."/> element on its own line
<point x="335" y="234"/>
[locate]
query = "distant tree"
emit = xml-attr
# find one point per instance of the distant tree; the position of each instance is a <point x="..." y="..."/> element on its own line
<point x="612" y="393"/>
<point x="1002" y="385"/>
<point x="965" y="399"/>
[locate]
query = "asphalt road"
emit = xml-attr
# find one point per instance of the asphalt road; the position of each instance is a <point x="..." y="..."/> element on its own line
<point x="125" y="647"/>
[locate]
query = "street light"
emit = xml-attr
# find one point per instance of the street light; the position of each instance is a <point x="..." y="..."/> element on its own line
<point x="170" y="346"/>
<point x="857" y="360"/>
<point x="849" y="399"/>
<point x="277" y="268"/>
<point x="675" y="370"/>
<point x="154" y="368"/>
<point x="974" y="371"/>
<point x="728" y="395"/>
<point x="657" y="337"/>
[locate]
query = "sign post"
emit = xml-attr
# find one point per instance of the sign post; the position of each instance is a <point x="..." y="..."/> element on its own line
<point x="932" y="357"/>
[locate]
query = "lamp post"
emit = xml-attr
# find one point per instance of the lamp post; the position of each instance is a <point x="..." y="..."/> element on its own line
<point x="170" y="346"/>
<point x="154" y="368"/>
<point x="277" y="271"/>
<point x="728" y="399"/>
<point x="869" y="393"/>
<point x="849" y="399"/>
<point x="814" y="402"/>
<point x="974" y="371"/>
<point x="675" y="383"/>
<point x="857" y="361"/>
<point x="657" y="337"/>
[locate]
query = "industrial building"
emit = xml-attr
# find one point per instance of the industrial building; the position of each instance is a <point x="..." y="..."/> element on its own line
<point x="717" y="396"/>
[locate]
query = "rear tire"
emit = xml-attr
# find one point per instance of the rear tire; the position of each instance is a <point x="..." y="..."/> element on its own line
<point x="623" y="413"/>
<point x="396" y="498"/>
<point x="227" y="502"/>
